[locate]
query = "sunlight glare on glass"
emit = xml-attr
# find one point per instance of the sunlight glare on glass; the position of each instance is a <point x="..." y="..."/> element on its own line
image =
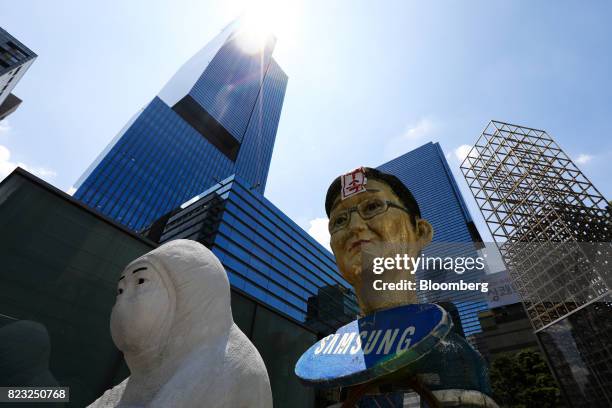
<point x="253" y="34"/>
<point x="264" y="18"/>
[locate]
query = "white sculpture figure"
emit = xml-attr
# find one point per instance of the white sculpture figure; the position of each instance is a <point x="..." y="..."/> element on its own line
<point x="173" y="322"/>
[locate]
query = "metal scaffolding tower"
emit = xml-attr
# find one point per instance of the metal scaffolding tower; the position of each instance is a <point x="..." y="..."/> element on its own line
<point x="553" y="229"/>
<point x="540" y="208"/>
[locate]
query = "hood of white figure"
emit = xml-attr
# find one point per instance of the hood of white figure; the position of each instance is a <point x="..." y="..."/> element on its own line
<point x="189" y="306"/>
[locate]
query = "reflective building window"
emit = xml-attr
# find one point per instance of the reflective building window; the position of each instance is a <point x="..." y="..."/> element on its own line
<point x="266" y="255"/>
<point x="217" y="116"/>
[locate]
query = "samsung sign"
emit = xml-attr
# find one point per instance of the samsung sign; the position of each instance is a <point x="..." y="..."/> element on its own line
<point x="374" y="345"/>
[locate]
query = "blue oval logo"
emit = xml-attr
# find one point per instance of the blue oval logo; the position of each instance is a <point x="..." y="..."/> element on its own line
<point x="374" y="345"/>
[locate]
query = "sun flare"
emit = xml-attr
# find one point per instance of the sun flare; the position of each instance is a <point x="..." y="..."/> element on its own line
<point x="262" y="18"/>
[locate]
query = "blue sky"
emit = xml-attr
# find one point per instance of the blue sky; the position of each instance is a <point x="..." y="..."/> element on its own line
<point x="368" y="81"/>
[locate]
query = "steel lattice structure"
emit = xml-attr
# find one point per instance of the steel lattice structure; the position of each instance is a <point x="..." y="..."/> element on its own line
<point x="540" y="209"/>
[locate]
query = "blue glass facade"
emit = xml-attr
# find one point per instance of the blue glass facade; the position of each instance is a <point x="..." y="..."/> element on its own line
<point x="256" y="150"/>
<point x="200" y="129"/>
<point x="153" y="167"/>
<point x="426" y="173"/>
<point x="266" y="255"/>
<point x="230" y="85"/>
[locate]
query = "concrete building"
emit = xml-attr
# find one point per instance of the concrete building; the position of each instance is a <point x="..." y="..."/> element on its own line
<point x="505" y="329"/>
<point x="15" y="59"/>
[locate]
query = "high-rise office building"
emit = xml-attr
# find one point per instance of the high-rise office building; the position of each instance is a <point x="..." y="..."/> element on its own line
<point x="266" y="254"/>
<point x="426" y="173"/>
<point x="505" y="329"/>
<point x="290" y="279"/>
<point x="15" y="59"/>
<point x="553" y="229"/>
<point x="216" y="117"/>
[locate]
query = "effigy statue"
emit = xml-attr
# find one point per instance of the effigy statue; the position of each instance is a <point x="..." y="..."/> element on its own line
<point x="173" y="322"/>
<point x="398" y="346"/>
<point x="25" y="348"/>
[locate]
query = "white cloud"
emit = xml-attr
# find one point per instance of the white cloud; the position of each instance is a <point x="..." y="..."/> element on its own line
<point x="583" y="158"/>
<point x="411" y="137"/>
<point x="5" y="127"/>
<point x="71" y="190"/>
<point x="423" y="127"/>
<point x="462" y="151"/>
<point x="318" y="230"/>
<point x="7" y="166"/>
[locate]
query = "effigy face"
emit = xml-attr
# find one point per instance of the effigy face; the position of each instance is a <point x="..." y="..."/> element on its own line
<point x="143" y="308"/>
<point x="356" y="241"/>
<point x="172" y="320"/>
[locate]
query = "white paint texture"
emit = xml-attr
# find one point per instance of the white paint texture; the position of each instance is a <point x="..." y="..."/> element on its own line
<point x="173" y="322"/>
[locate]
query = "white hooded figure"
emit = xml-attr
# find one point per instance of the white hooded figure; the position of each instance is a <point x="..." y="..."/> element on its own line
<point x="173" y="322"/>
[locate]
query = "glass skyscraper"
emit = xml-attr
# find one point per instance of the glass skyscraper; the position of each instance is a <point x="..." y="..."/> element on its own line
<point x="216" y="117"/>
<point x="426" y="173"/>
<point x="15" y="59"/>
<point x="266" y="255"/>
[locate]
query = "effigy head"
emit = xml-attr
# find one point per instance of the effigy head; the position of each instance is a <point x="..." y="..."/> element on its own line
<point x="170" y="299"/>
<point x="374" y="215"/>
<point x="172" y="320"/>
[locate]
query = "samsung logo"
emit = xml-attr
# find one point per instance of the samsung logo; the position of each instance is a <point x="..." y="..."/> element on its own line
<point x="375" y="341"/>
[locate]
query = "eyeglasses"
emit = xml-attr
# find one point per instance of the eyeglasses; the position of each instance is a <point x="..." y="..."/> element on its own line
<point x="367" y="209"/>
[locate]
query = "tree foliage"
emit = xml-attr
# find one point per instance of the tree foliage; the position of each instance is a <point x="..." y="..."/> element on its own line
<point x="523" y="380"/>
